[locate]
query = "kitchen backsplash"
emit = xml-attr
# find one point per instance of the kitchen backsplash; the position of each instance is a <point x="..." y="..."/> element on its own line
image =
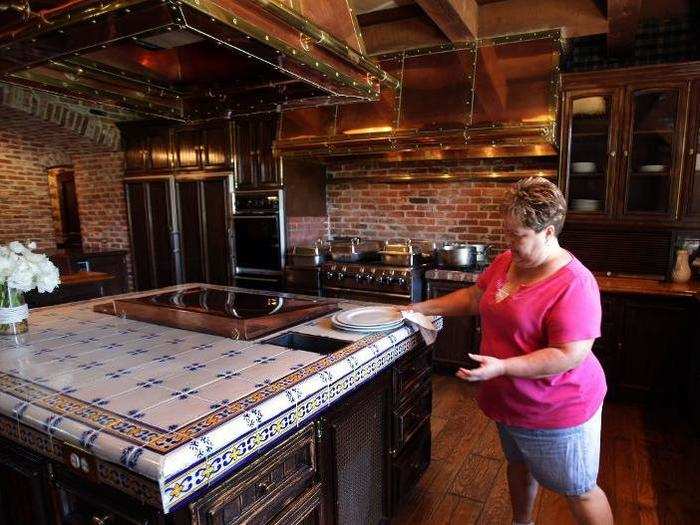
<point x="453" y="211"/>
<point x="305" y="230"/>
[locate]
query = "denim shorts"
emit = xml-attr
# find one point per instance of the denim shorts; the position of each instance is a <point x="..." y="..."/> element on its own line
<point x="564" y="460"/>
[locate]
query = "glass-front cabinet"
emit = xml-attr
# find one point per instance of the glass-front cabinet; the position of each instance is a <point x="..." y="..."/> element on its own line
<point x="590" y="150"/>
<point x="691" y="189"/>
<point x="653" y="142"/>
<point x="623" y="149"/>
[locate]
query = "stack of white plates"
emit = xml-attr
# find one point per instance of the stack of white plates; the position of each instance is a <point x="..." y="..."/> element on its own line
<point x="586" y="205"/>
<point x="583" y="167"/>
<point x="368" y="319"/>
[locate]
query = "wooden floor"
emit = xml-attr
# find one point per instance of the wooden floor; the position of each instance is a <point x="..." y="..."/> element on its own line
<point x="650" y="468"/>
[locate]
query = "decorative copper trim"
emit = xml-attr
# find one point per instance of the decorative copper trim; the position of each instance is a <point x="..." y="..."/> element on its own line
<point x="493" y="175"/>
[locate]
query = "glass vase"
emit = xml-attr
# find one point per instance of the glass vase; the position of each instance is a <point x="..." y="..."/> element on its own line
<point x="13" y="311"/>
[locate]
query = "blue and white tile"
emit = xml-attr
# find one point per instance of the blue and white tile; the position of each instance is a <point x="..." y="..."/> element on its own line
<point x="225" y="391"/>
<point x="215" y="349"/>
<point x="324" y="328"/>
<point x="249" y="357"/>
<point x="176" y="413"/>
<point x="135" y="400"/>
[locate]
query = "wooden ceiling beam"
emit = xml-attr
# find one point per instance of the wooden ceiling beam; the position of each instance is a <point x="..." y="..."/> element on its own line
<point x="623" y="20"/>
<point x="458" y="19"/>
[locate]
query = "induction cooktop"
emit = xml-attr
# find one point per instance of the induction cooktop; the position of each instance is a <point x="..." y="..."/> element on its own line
<point x="239" y="315"/>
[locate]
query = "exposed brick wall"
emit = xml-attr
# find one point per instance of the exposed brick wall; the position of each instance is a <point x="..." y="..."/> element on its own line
<point x="442" y="211"/>
<point x="101" y="200"/>
<point x="29" y="146"/>
<point x="305" y="230"/>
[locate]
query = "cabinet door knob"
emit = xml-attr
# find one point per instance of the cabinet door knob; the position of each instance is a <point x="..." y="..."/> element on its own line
<point x="613" y="153"/>
<point x="691" y="152"/>
<point x="624" y="153"/>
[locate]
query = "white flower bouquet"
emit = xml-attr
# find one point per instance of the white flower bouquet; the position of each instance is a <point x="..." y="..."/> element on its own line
<point x="22" y="270"/>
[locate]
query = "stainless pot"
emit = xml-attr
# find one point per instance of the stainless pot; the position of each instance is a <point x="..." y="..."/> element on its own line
<point x="309" y="256"/>
<point x="400" y="254"/>
<point x="457" y="255"/>
<point x="482" y="253"/>
<point x="354" y="250"/>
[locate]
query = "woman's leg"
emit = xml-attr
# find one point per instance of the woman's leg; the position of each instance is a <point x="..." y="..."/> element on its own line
<point x="523" y="491"/>
<point x="591" y="508"/>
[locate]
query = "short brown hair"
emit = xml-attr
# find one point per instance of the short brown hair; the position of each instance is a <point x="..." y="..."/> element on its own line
<point x="536" y="203"/>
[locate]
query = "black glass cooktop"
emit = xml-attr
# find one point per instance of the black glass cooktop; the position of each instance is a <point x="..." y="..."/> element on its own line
<point x="241" y="305"/>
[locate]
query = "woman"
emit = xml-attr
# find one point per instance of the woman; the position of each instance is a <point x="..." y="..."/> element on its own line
<point x="540" y="313"/>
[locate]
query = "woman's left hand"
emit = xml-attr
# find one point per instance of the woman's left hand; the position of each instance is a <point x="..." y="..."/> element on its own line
<point x="489" y="367"/>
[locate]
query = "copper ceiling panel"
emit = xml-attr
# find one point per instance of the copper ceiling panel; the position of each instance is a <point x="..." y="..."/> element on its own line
<point x="308" y="122"/>
<point x="381" y="116"/>
<point x="516" y="82"/>
<point x="437" y="90"/>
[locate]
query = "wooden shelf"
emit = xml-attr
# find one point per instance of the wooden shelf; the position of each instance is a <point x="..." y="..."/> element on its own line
<point x="642" y="174"/>
<point x="589" y="133"/>
<point x="595" y="175"/>
<point x="653" y="131"/>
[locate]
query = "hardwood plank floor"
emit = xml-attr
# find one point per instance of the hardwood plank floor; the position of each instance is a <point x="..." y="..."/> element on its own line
<point x="650" y="468"/>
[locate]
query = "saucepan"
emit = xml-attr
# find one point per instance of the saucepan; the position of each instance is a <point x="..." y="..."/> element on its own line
<point x="456" y="254"/>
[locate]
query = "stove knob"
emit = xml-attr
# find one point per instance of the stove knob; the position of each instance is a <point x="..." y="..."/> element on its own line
<point x="341" y="276"/>
<point x="369" y="277"/>
<point x="379" y="280"/>
<point x="359" y="277"/>
<point x="400" y="281"/>
<point x="330" y="275"/>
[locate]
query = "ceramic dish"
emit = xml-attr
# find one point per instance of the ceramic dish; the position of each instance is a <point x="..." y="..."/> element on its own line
<point x="583" y="167"/>
<point x="652" y="168"/>
<point x="369" y="316"/>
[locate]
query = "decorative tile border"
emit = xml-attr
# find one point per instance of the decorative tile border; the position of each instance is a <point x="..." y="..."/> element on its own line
<point x="220" y="463"/>
<point x="120" y="478"/>
<point x="153" y="438"/>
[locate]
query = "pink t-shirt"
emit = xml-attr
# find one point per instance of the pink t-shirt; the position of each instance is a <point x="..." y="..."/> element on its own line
<point x="561" y="308"/>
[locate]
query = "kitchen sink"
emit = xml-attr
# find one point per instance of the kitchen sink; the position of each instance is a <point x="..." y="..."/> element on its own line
<point x="311" y="343"/>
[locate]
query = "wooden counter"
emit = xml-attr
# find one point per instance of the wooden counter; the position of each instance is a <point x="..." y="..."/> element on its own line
<point x="641" y="286"/>
<point x="74" y="287"/>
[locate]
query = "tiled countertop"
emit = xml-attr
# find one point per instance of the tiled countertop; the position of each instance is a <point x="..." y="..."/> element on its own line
<point x="181" y="409"/>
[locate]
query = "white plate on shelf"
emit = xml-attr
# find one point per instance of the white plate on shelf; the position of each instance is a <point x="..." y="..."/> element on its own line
<point x="586" y="204"/>
<point x="652" y="168"/>
<point x="369" y="316"/>
<point x="583" y="167"/>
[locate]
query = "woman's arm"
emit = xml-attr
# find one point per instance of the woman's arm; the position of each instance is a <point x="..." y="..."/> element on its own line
<point x="464" y="301"/>
<point x="540" y="363"/>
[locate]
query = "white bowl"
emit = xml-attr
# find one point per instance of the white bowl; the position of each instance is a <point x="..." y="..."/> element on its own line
<point x="652" y="168"/>
<point x="586" y="204"/>
<point x="583" y="167"/>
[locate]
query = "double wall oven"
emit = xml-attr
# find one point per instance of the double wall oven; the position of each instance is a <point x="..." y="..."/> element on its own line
<point x="258" y="238"/>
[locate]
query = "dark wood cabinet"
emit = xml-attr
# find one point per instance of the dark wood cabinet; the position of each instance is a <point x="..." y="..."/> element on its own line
<point x="24" y="494"/>
<point x="459" y="336"/>
<point x="691" y="187"/>
<point x="153" y="233"/>
<point x="205" y="230"/>
<point x="146" y="149"/>
<point x="203" y="147"/>
<point x="255" y="165"/>
<point x="625" y="145"/>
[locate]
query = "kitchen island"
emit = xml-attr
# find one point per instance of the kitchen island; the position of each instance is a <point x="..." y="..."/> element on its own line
<point x="108" y="418"/>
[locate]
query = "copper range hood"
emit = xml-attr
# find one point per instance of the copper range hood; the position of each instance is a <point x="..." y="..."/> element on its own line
<point x="189" y="59"/>
<point x="495" y="97"/>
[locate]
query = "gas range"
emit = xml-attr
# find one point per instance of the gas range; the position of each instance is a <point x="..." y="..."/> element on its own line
<point x="372" y="281"/>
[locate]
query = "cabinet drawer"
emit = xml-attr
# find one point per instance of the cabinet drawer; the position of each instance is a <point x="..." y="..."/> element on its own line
<point x="412" y="415"/>
<point x="264" y="488"/>
<point x="410" y="465"/>
<point x="305" y="510"/>
<point x="409" y="374"/>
